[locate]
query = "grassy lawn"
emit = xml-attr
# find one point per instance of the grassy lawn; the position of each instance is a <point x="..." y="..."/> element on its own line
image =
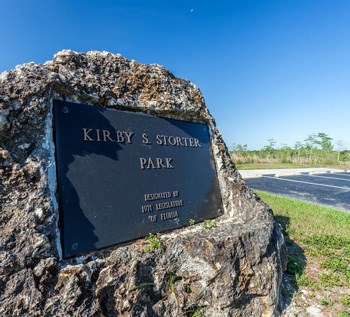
<point x="276" y="165"/>
<point x="318" y="244"/>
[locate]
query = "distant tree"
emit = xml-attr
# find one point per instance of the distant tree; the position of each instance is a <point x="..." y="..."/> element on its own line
<point x="269" y="149"/>
<point x="310" y="141"/>
<point x="340" y="147"/>
<point x="317" y="145"/>
<point x="298" y="148"/>
<point x="298" y="145"/>
<point x="270" y="145"/>
<point x="285" y="153"/>
<point x="317" y="148"/>
<point x="324" y="141"/>
<point x="240" y="148"/>
<point x="240" y="153"/>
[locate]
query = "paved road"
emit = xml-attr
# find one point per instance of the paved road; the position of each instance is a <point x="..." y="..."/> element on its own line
<point x="330" y="189"/>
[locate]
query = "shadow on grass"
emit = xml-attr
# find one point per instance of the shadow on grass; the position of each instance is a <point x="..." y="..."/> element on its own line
<point x="296" y="263"/>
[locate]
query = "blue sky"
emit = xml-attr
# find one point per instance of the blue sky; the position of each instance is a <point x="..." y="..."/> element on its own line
<point x="267" y="68"/>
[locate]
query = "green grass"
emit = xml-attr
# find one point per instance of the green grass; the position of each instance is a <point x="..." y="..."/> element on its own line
<point x="154" y="242"/>
<point x="316" y="232"/>
<point x="346" y="300"/>
<point x="209" y="224"/>
<point x="318" y="246"/>
<point x="304" y="280"/>
<point x="326" y="301"/>
<point x="312" y="223"/>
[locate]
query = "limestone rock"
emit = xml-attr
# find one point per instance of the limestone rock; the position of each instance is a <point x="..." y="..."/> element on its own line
<point x="234" y="269"/>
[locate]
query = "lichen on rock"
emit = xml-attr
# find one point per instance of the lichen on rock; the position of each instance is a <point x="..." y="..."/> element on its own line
<point x="233" y="269"/>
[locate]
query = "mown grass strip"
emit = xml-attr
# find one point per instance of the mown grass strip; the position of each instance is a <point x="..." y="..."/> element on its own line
<point x="321" y="236"/>
<point x="303" y="220"/>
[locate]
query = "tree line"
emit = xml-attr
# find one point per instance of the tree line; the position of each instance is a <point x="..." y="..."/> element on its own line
<point x="317" y="148"/>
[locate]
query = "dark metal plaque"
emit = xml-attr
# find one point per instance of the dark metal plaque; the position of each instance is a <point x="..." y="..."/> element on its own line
<point x="122" y="175"/>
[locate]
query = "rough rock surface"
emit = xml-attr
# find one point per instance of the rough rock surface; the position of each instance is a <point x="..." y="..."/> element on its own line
<point x="234" y="269"/>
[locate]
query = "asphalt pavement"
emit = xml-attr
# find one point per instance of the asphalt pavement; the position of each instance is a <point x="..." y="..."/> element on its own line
<point x="321" y="186"/>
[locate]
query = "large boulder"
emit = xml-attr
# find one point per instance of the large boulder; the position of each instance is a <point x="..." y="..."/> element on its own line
<point x="231" y="269"/>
